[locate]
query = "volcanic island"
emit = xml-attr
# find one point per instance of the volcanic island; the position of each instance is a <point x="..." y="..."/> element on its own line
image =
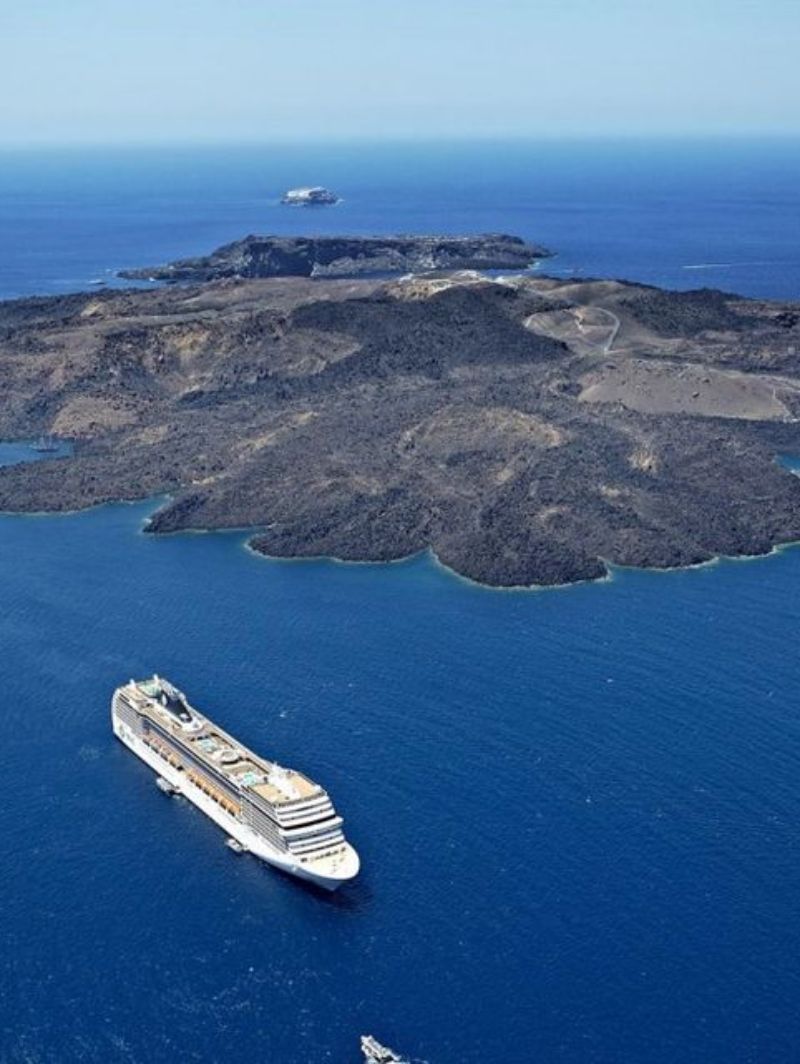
<point x="371" y="399"/>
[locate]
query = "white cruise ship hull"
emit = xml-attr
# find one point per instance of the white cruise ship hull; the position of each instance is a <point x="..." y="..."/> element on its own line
<point x="247" y="838"/>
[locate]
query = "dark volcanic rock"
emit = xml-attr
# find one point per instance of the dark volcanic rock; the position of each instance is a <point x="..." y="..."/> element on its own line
<point x="685" y="313"/>
<point x="528" y="432"/>
<point x="274" y="256"/>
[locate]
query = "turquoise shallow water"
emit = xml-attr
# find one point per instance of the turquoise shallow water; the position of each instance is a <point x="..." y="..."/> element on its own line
<point x="577" y="810"/>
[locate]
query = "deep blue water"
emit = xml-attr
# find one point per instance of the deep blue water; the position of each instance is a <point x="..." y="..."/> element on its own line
<point x="577" y="810"/>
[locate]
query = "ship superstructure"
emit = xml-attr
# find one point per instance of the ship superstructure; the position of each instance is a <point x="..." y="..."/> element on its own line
<point x="276" y="813"/>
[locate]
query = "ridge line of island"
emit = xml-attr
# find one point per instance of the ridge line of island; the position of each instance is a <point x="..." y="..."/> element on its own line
<point x="526" y="429"/>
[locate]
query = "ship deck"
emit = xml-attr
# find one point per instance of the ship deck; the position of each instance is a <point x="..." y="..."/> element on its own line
<point x="221" y="752"/>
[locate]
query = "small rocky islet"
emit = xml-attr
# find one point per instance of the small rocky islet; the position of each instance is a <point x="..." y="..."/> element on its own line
<point x="337" y="256"/>
<point x="528" y="430"/>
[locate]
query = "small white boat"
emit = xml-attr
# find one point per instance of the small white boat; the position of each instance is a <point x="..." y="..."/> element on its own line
<point x="45" y="445"/>
<point x="316" y="196"/>
<point x="235" y="845"/>
<point x="165" y="786"/>
<point x="375" y="1053"/>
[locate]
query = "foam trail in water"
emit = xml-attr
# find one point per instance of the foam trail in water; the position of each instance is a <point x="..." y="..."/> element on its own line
<point x="730" y="265"/>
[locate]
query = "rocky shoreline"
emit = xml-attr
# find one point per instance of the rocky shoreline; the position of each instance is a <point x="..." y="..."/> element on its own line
<point x="528" y="432"/>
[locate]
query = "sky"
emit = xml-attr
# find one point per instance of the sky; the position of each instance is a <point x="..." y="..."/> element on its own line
<point x="131" y="71"/>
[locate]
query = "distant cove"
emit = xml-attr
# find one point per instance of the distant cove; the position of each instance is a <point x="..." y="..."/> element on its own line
<point x="16" y="452"/>
<point x="790" y="462"/>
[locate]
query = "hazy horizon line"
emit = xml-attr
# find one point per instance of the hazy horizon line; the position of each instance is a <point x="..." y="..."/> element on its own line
<point x="426" y="140"/>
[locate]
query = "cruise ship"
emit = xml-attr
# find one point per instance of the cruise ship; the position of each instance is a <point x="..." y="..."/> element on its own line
<point x="276" y="813"/>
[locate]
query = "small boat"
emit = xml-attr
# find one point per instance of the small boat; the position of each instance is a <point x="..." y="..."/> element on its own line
<point x="165" y="786"/>
<point x="235" y="846"/>
<point x="98" y="282"/>
<point x="317" y="196"/>
<point x="45" y="445"/>
<point x="375" y="1053"/>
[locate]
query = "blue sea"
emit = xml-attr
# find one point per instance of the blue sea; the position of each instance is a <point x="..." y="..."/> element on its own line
<point x="680" y="214"/>
<point x="578" y="810"/>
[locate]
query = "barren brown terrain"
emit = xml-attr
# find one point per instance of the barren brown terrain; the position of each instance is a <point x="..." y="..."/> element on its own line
<point x="527" y="431"/>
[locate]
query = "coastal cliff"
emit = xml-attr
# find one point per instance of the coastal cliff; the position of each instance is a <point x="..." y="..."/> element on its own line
<point x="529" y="431"/>
<point x="273" y="256"/>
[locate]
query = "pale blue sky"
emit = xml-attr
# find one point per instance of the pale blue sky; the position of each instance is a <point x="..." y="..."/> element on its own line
<point x="140" y="70"/>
